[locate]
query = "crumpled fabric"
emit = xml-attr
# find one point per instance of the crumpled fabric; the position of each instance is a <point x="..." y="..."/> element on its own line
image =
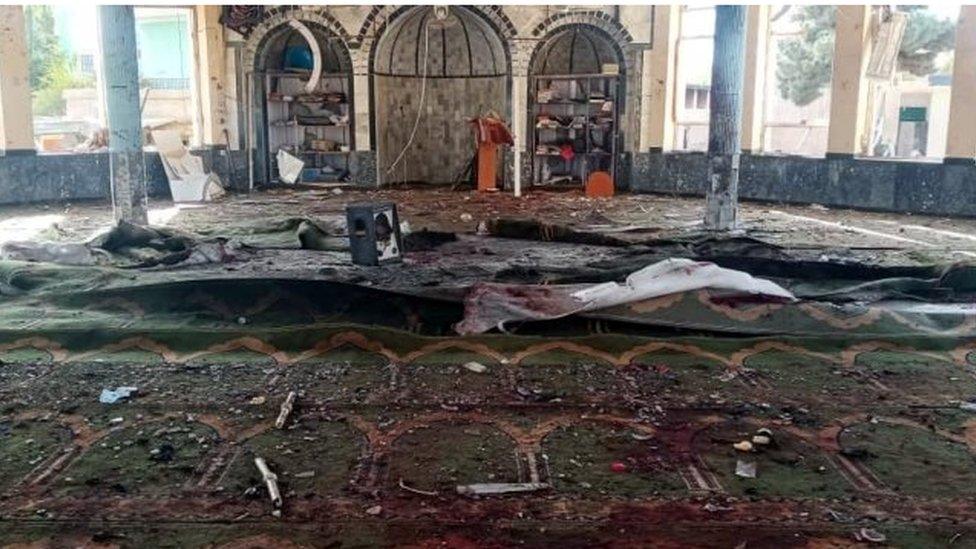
<point x="491" y="305"/>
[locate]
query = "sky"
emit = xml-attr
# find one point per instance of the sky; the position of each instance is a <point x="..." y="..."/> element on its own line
<point x="77" y="25"/>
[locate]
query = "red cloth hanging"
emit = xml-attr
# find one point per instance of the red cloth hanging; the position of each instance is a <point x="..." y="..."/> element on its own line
<point x="492" y="130"/>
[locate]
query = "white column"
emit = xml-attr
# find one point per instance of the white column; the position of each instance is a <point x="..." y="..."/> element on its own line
<point x="961" y="135"/>
<point x="520" y="90"/>
<point x="16" y="122"/>
<point x="849" y="89"/>
<point x="361" y="104"/>
<point x="658" y="81"/>
<point x="521" y="52"/>
<point x="753" y="93"/>
<point x="212" y="73"/>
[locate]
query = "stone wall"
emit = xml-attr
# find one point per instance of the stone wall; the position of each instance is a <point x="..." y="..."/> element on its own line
<point x="444" y="142"/>
<point x="26" y="178"/>
<point x="882" y="185"/>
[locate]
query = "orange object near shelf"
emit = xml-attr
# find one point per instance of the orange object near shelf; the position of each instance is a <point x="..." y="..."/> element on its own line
<point x="599" y="185"/>
<point x="487" y="171"/>
<point x="490" y="132"/>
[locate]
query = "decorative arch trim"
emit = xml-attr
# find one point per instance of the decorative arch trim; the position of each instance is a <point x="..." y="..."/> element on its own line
<point x="380" y="16"/>
<point x="274" y="17"/>
<point x="595" y="18"/>
<point x="619" y="49"/>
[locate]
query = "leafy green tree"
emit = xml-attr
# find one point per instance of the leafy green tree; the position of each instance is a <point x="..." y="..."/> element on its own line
<point x="804" y="63"/>
<point x="803" y="69"/>
<point x="926" y="36"/>
<point x="44" y="50"/>
<point x="51" y="70"/>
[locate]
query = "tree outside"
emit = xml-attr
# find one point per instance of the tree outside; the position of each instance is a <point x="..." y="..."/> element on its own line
<point x="52" y="69"/>
<point x="804" y="62"/>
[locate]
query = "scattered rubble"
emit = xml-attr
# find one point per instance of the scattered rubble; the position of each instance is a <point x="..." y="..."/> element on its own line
<point x="745" y="469"/>
<point x="493" y="489"/>
<point x="271" y="482"/>
<point x="475" y="367"/>
<point x="111" y="396"/>
<point x="286" y="408"/>
<point x="870" y="535"/>
<point x="743" y="446"/>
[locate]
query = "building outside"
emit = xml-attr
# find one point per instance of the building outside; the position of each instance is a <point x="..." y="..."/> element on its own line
<point x="165" y="51"/>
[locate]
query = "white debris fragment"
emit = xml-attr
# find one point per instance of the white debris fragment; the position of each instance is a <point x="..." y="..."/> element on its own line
<point x="475" y="367"/>
<point x="745" y="469"/>
<point x="110" y="396"/>
<point x="743" y="446"/>
<point x="271" y="481"/>
<point x="500" y="488"/>
<point x="286" y="408"/>
<point x="871" y="535"/>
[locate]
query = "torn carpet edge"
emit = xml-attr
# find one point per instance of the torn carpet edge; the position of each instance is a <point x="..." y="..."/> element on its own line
<point x="490" y="305"/>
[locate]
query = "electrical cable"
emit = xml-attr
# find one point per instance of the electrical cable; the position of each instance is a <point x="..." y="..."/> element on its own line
<point x="420" y="108"/>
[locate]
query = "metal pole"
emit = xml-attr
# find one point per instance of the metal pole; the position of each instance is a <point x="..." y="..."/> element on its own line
<point x="120" y="81"/>
<point x="725" y="119"/>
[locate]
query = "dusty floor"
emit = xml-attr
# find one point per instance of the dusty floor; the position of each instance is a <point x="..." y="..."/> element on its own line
<point x="630" y="435"/>
<point x="381" y="436"/>
<point x="916" y="238"/>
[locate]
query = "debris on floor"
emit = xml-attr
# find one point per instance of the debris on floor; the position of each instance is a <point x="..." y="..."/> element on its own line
<point x="271" y="482"/>
<point x="500" y="488"/>
<point x="111" y="396"/>
<point x="475" y="367"/>
<point x="801" y="408"/>
<point x="285" y="412"/>
<point x="745" y="469"/>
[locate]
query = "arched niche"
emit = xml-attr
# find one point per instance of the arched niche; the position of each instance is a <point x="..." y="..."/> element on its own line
<point x="286" y="115"/>
<point x="458" y="67"/>
<point x="576" y="101"/>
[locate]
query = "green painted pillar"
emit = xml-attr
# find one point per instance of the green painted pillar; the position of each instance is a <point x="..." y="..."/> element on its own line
<point x="120" y="86"/>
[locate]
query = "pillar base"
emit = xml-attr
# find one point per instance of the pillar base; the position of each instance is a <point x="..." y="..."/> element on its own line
<point x="839" y="156"/>
<point x="18" y="152"/>
<point x="722" y="196"/>
<point x="129" y="187"/>
<point x="220" y="147"/>
<point x="958" y="161"/>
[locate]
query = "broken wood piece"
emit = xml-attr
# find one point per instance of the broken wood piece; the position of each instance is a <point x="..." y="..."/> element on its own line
<point x="271" y="480"/>
<point x="286" y="408"/>
<point x="496" y="488"/>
